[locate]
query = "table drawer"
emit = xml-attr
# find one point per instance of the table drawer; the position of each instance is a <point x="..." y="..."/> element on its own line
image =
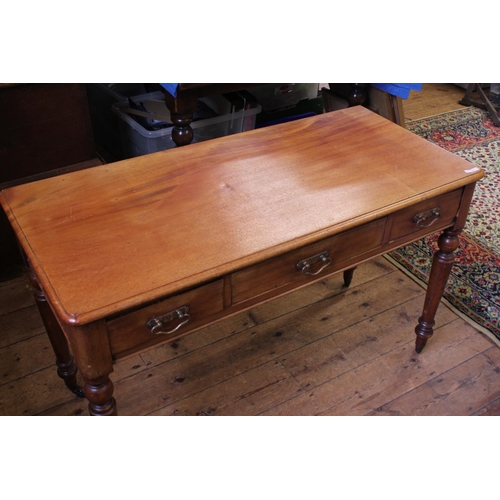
<point x="175" y="315"/>
<point x="323" y="258"/>
<point x="438" y="212"/>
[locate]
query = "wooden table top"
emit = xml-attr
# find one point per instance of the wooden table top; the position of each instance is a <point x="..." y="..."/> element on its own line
<point x="116" y="236"/>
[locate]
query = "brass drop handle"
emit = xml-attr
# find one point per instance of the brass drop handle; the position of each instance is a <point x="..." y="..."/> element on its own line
<point x="305" y="265"/>
<point x="426" y="219"/>
<point x="154" y="324"/>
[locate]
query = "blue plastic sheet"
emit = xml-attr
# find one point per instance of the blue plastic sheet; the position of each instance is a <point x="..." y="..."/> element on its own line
<point x="170" y="87"/>
<point x="398" y="89"/>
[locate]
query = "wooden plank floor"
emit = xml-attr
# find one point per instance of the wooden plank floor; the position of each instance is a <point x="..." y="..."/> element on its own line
<point x="324" y="350"/>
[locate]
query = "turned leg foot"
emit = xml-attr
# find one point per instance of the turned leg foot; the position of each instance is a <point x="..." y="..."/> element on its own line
<point x="348" y="274"/>
<point x="99" y="394"/>
<point x="182" y="133"/>
<point x="420" y="344"/>
<point x="67" y="371"/>
<point x="66" y="367"/>
<point x="424" y="332"/>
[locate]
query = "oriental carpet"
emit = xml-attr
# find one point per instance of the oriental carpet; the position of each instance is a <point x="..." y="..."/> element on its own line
<point x="473" y="289"/>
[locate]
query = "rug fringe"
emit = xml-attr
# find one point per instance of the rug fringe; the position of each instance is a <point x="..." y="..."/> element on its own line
<point x="408" y="122"/>
<point x="448" y="304"/>
<point x="450" y="112"/>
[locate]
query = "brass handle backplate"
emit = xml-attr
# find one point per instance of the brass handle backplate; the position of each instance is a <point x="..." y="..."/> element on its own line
<point x="426" y="219"/>
<point x="305" y="265"/>
<point x="156" y="324"/>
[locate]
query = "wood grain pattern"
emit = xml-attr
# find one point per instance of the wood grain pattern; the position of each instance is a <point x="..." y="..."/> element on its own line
<point x="447" y="205"/>
<point x="19" y="360"/>
<point x="18" y="325"/>
<point x="330" y="356"/>
<point x="129" y="332"/>
<point x="19" y="294"/>
<point x="474" y="381"/>
<point x="278" y="272"/>
<point x="401" y="372"/>
<point x="189" y="197"/>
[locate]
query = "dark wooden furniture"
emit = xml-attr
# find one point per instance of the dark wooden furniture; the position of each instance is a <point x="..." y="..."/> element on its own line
<point x="343" y="95"/>
<point x="134" y="254"/>
<point x="183" y="106"/>
<point x="43" y="128"/>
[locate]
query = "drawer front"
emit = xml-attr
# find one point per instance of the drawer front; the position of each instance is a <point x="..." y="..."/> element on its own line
<point x="174" y="316"/>
<point x="438" y="212"/>
<point x="308" y="263"/>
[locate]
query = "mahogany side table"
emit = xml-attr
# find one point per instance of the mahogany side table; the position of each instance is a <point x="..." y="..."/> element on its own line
<point x="133" y="254"/>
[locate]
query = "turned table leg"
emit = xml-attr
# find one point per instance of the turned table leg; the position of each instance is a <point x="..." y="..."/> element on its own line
<point x="66" y="367"/>
<point x="90" y="346"/>
<point x="440" y="271"/>
<point x="182" y="109"/>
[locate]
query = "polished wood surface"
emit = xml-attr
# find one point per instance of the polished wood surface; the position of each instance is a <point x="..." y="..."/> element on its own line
<point x="217" y="206"/>
<point x="244" y="200"/>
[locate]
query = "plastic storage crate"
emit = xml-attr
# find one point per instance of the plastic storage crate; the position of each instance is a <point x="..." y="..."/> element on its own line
<point x="138" y="141"/>
<point x="495" y="94"/>
<point x="274" y="96"/>
<point x="105" y="123"/>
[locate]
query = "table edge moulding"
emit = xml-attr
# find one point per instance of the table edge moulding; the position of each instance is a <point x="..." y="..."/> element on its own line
<point x="130" y="255"/>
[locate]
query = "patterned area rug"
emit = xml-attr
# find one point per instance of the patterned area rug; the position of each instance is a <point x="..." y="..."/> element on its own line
<point x="473" y="290"/>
